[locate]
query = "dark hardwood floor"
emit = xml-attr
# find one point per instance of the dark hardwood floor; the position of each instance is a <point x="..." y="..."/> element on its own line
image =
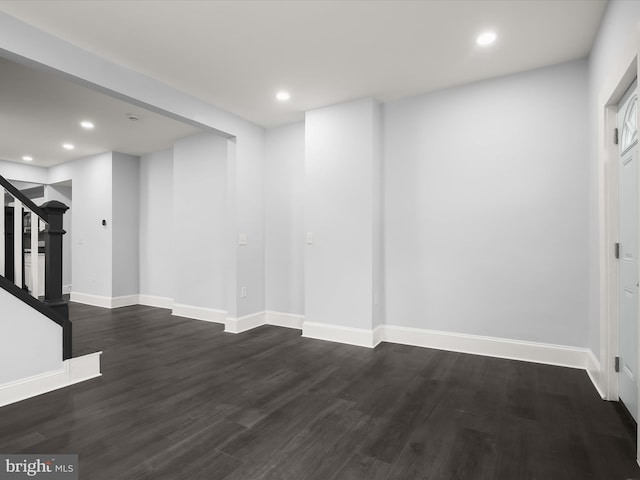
<point x="181" y="399"/>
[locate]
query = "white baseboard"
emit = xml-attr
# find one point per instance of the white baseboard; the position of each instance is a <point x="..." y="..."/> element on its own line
<point x="88" y="299"/>
<point x="288" y="320"/>
<point x="593" y="370"/>
<point x="199" y="313"/>
<point x="73" y="371"/>
<point x="154" y="301"/>
<point x="104" y="302"/>
<point x="336" y="333"/>
<point x="242" y="324"/>
<point x="124" y="301"/>
<point x="488" y="346"/>
<point x="66" y="289"/>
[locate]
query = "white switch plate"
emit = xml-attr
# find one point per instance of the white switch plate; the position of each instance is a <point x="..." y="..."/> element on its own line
<point x="243" y="292"/>
<point x="309" y="238"/>
<point x="242" y="239"/>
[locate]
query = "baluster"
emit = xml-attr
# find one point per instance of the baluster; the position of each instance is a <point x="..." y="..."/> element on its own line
<point x="35" y="257"/>
<point x="17" y="242"/>
<point x="2" y="237"/>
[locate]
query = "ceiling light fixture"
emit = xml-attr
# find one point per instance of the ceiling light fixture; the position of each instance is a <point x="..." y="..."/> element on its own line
<point x="68" y="146"/>
<point x="87" y="125"/>
<point x="27" y="158"/>
<point x="283" y="96"/>
<point x="486" y="38"/>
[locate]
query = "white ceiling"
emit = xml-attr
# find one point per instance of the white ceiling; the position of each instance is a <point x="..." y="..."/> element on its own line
<point x="39" y="111"/>
<point x="237" y="54"/>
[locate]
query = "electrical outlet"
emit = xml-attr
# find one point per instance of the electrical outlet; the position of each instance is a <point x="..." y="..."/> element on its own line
<point x="243" y="292"/>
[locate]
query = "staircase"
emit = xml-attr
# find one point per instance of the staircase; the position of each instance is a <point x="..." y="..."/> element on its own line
<point x="28" y="230"/>
<point x="35" y="331"/>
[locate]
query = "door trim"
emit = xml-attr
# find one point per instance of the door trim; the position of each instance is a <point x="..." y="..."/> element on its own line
<point x="613" y="89"/>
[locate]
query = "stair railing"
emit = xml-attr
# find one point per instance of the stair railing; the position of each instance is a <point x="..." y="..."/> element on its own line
<point x="48" y="220"/>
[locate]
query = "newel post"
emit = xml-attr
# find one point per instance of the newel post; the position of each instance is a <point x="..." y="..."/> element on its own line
<point x="53" y="257"/>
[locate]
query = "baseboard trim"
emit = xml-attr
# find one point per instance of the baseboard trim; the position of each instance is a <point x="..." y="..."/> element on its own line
<point x="154" y="301"/>
<point x="124" y="301"/>
<point x="74" y="370"/>
<point x="93" y="300"/>
<point x="548" y="354"/>
<point x="247" y="322"/>
<point x="287" y="320"/>
<point x="104" y="302"/>
<point x="336" y="333"/>
<point x="66" y="289"/>
<point x="199" y="313"/>
<point x="593" y="370"/>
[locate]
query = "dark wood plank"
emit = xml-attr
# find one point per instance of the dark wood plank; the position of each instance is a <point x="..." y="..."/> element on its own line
<point x="180" y="398"/>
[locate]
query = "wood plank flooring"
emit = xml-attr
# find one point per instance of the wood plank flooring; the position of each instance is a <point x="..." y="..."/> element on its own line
<point x="181" y="399"/>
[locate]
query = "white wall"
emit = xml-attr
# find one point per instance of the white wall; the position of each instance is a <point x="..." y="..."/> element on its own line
<point x="486" y="208"/>
<point x="30" y="343"/>
<point x="616" y="30"/>
<point x="248" y="217"/>
<point x="340" y="161"/>
<point x="284" y="219"/>
<point x="200" y="251"/>
<point x="125" y="224"/>
<point x="377" y="186"/>
<point x="92" y="242"/>
<point x="24" y="172"/>
<point x="28" y="45"/>
<point x="156" y="224"/>
<point x="40" y="175"/>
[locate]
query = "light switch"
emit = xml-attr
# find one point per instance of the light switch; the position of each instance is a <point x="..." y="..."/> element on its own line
<point x="309" y="238"/>
<point x="242" y="239"/>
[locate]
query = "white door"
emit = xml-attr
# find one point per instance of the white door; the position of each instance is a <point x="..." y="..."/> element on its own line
<point x="628" y="238"/>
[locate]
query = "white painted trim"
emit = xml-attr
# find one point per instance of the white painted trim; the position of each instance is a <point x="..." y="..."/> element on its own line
<point x="66" y="289"/>
<point x="247" y="322"/>
<point x="378" y="335"/>
<point x="548" y="354"/>
<point x="74" y="370"/>
<point x="594" y="372"/>
<point x="199" y="313"/>
<point x="88" y="299"/>
<point x="104" y="302"/>
<point x="154" y="301"/>
<point x="287" y="320"/>
<point x="124" y="301"/>
<point x="337" y="333"/>
<point x="625" y="68"/>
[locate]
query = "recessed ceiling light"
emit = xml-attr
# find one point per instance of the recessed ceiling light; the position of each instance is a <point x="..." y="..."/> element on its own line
<point x="87" y="124"/>
<point x="486" y="38"/>
<point x="283" y="96"/>
<point x="27" y="158"/>
<point x="68" y="146"/>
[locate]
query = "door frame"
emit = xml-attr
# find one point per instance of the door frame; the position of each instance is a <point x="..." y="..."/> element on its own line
<point x="616" y="84"/>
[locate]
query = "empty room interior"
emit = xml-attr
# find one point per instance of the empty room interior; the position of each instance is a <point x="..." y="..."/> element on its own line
<point x="320" y="239"/>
